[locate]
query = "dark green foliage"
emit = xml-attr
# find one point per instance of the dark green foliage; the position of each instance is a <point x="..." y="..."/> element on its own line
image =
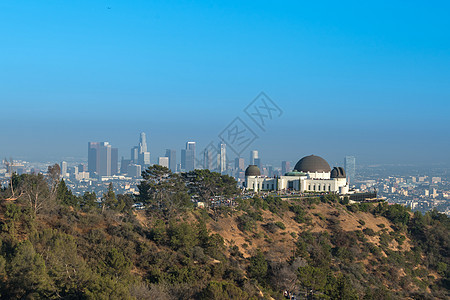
<point x="116" y="263"/>
<point x="280" y="225"/>
<point x="109" y="200"/>
<point x="258" y="266"/>
<point x="164" y="192"/>
<point x="246" y="222"/>
<point x="396" y="213"/>
<point x="88" y="201"/>
<point x="276" y="205"/>
<point x="313" y="278"/>
<point x="329" y="198"/>
<point x="344" y="201"/>
<point x="431" y="234"/>
<point x="65" y="196"/>
<point x="300" y="214"/>
<point x="27" y="274"/>
<point x="369" y="231"/>
<point x="207" y="184"/>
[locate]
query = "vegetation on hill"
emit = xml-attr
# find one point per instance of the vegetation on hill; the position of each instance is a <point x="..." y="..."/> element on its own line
<point x="56" y="245"/>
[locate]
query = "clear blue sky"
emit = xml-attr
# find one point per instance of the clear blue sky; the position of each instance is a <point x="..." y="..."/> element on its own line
<point x="368" y="79"/>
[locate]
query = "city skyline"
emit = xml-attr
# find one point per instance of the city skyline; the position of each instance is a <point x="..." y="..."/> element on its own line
<point x="370" y="80"/>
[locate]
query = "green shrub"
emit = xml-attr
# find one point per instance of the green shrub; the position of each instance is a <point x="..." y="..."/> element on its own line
<point x="280" y="225"/>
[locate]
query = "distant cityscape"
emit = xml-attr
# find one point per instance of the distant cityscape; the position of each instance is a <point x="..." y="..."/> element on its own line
<point x="419" y="189"/>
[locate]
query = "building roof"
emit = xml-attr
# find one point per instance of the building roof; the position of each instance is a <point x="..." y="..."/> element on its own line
<point x="252" y="170"/>
<point x="338" y="172"/>
<point x="312" y="164"/>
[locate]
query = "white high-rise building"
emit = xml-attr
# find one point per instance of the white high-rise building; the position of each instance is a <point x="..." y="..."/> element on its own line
<point x="222" y="157"/>
<point x="142" y="143"/>
<point x="163" y="161"/>
<point x="140" y="154"/>
<point x="253" y="156"/>
<point x="63" y="167"/>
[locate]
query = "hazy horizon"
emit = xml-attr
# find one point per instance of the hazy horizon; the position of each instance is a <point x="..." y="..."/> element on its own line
<point x="351" y="78"/>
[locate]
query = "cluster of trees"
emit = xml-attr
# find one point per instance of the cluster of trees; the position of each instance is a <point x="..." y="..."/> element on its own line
<point x="57" y="245"/>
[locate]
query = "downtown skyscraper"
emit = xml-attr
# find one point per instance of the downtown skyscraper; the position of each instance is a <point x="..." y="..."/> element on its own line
<point x="350" y="168"/>
<point x="239" y="164"/>
<point x="144" y="155"/>
<point x="207" y="160"/>
<point x="139" y="154"/>
<point x="222" y="158"/>
<point x="102" y="159"/>
<point x="188" y="157"/>
<point x="253" y="156"/>
<point x="172" y="155"/>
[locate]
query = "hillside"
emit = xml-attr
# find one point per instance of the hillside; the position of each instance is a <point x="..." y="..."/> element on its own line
<point x="323" y="246"/>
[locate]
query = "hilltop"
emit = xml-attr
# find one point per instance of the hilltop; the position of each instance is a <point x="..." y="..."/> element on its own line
<point x="321" y="245"/>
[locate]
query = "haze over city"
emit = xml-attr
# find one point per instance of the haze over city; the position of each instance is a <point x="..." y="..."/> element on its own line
<point x="212" y="150"/>
<point x="356" y="79"/>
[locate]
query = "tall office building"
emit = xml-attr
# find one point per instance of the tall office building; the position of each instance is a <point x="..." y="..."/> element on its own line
<point x="163" y="161"/>
<point x="142" y="143"/>
<point x="144" y="159"/>
<point x="134" y="157"/>
<point x="114" y="161"/>
<point x="102" y="159"/>
<point x="124" y="163"/>
<point x="188" y="157"/>
<point x="139" y="154"/>
<point x="257" y="162"/>
<point x="172" y="155"/>
<point x="239" y="163"/>
<point x="144" y="155"/>
<point x="134" y="170"/>
<point x="92" y="157"/>
<point x="222" y="163"/>
<point x="350" y="168"/>
<point x="270" y="171"/>
<point x="285" y="167"/>
<point x="63" y="167"/>
<point x="207" y="160"/>
<point x="253" y="156"/>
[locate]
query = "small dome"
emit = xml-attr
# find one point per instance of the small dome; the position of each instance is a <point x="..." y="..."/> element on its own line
<point x="312" y="164"/>
<point x="252" y="170"/>
<point x="338" y="172"/>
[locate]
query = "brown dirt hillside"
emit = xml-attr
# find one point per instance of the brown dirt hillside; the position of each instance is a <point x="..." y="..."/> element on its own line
<point x="281" y="243"/>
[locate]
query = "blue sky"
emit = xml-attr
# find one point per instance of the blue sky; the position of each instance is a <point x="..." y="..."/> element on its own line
<point x="368" y="79"/>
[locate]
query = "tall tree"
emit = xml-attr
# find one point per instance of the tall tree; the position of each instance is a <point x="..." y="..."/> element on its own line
<point x="109" y="199"/>
<point x="34" y="191"/>
<point x="64" y="195"/>
<point x="88" y="201"/>
<point x="163" y="191"/>
<point x="53" y="176"/>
